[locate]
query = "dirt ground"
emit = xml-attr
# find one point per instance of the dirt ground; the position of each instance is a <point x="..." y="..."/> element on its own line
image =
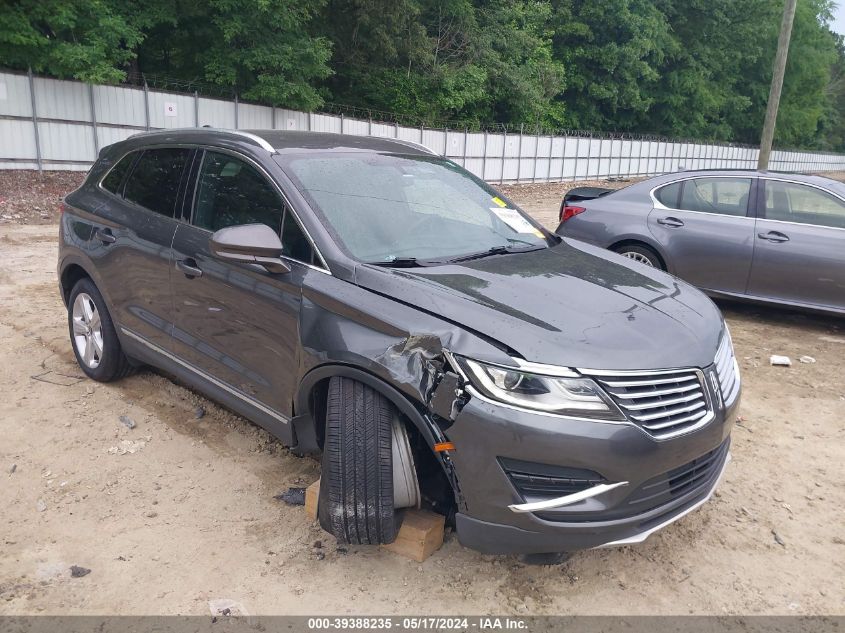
<point x="179" y="510"/>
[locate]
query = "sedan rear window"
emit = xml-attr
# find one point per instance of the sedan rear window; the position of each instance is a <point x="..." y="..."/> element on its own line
<point x="725" y="196"/>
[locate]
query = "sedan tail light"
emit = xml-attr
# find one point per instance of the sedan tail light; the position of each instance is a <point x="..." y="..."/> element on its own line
<point x="569" y="211"/>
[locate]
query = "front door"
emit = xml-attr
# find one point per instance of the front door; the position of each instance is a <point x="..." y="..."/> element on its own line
<point x="799" y="256"/>
<point x="238" y="323"/>
<point x="703" y="227"/>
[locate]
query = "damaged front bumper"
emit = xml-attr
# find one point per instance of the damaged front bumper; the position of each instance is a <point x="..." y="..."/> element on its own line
<point x="512" y="464"/>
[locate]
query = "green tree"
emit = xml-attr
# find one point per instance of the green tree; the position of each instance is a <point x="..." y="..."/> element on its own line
<point x="91" y="40"/>
<point x="612" y="52"/>
<point x="261" y="49"/>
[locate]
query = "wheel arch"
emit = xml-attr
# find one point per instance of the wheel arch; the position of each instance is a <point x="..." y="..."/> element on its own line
<point x="309" y="421"/>
<point x="306" y="403"/>
<point x="639" y="241"/>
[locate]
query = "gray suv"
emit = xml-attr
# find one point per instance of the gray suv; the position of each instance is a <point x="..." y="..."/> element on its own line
<point x="373" y="302"/>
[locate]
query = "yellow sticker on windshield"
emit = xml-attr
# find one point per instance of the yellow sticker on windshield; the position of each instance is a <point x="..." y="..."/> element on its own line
<point x="499" y="202"/>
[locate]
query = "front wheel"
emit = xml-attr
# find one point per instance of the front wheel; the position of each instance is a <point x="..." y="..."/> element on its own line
<point x="641" y="254"/>
<point x="368" y="471"/>
<point x="92" y="334"/>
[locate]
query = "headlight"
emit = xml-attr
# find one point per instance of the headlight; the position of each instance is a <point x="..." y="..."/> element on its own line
<point x="577" y="397"/>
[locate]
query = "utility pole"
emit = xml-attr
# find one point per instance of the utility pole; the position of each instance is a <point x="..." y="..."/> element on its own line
<point x="777" y="85"/>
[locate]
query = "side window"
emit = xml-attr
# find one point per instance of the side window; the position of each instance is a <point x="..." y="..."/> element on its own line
<point x="791" y="202"/>
<point x="668" y="195"/>
<point x="114" y="180"/>
<point x="294" y="242"/>
<point x="725" y="196"/>
<point x="231" y="192"/>
<point x="154" y="182"/>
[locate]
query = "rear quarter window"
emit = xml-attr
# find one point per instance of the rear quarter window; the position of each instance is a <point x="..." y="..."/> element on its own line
<point x="113" y="182"/>
<point x="668" y="195"/>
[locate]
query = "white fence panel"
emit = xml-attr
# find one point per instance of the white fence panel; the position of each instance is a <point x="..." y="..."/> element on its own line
<point x="118" y="105"/>
<point x="14" y="90"/>
<point x="75" y="120"/>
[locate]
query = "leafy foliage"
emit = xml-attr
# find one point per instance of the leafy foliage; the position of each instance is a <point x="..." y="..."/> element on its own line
<point x="690" y="68"/>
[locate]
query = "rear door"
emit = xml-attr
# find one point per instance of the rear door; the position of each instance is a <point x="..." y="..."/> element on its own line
<point x="799" y="255"/>
<point x="704" y="228"/>
<point x="132" y="236"/>
<point x="239" y="323"/>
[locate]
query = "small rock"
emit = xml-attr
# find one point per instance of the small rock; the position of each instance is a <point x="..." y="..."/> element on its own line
<point x="226" y="607"/>
<point x="778" y="539"/>
<point x="128" y="422"/>
<point x="78" y="572"/>
<point x="151" y="514"/>
<point x="199" y="412"/>
<point x="807" y="359"/>
<point x="41" y="506"/>
<point x="292" y="496"/>
<point x="317" y="544"/>
<point x="13" y="468"/>
<point x="320" y="555"/>
<point x="781" y="361"/>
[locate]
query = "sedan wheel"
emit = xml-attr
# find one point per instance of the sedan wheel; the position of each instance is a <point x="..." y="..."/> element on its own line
<point x="642" y="254"/>
<point x="637" y="257"/>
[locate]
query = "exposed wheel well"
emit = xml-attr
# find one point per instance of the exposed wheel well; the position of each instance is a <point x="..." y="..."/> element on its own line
<point x="70" y="276"/>
<point x="618" y="245"/>
<point x="435" y="489"/>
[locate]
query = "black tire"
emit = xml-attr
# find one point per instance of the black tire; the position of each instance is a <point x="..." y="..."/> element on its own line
<point x="113" y="364"/>
<point x="638" y="251"/>
<point x="356" y="486"/>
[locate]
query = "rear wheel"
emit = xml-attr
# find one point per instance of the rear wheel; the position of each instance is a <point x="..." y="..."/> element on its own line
<point x="641" y="254"/>
<point x="92" y="335"/>
<point x="368" y="469"/>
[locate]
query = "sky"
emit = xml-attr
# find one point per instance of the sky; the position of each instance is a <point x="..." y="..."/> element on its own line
<point x="838" y="24"/>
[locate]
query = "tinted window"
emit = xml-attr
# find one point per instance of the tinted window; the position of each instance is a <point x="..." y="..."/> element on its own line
<point x="726" y="196"/>
<point x="791" y="202"/>
<point x="294" y="242"/>
<point x="114" y="180"/>
<point x="668" y="195"/>
<point x="154" y="183"/>
<point x="231" y="192"/>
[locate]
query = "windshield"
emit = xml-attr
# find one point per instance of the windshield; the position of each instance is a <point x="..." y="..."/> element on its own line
<point x="387" y="208"/>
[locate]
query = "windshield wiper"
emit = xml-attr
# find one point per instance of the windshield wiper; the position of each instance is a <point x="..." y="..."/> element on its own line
<point x="497" y="250"/>
<point x="400" y="262"/>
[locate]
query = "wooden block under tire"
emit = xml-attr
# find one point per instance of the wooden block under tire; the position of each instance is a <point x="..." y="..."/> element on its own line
<point x="420" y="536"/>
<point x="312" y="495"/>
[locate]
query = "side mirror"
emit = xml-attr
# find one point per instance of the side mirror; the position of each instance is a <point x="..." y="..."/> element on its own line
<point x="250" y="244"/>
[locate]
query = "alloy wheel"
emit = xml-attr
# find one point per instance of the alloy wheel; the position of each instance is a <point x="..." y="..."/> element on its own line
<point x="637" y="257"/>
<point x="87" y="330"/>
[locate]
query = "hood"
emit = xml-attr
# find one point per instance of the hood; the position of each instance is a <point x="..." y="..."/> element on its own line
<point x="572" y="305"/>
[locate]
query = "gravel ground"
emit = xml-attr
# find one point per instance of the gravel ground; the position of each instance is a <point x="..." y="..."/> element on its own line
<point x="179" y="510"/>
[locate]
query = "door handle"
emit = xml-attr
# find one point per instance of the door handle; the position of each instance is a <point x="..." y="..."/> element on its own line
<point x="670" y="221"/>
<point x="105" y="236"/>
<point x="773" y="236"/>
<point x="189" y="267"/>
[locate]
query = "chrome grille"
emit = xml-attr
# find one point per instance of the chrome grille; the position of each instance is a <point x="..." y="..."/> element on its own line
<point x="727" y="371"/>
<point x="665" y="403"/>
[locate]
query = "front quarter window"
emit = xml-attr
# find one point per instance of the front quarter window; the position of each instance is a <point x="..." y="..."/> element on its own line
<point x="386" y="208"/>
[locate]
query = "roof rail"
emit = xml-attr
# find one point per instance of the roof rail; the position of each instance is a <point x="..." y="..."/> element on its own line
<point x="427" y="150"/>
<point x="254" y="137"/>
<point x="262" y="143"/>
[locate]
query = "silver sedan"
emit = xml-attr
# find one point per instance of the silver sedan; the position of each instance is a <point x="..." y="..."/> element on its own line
<point x="764" y="236"/>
